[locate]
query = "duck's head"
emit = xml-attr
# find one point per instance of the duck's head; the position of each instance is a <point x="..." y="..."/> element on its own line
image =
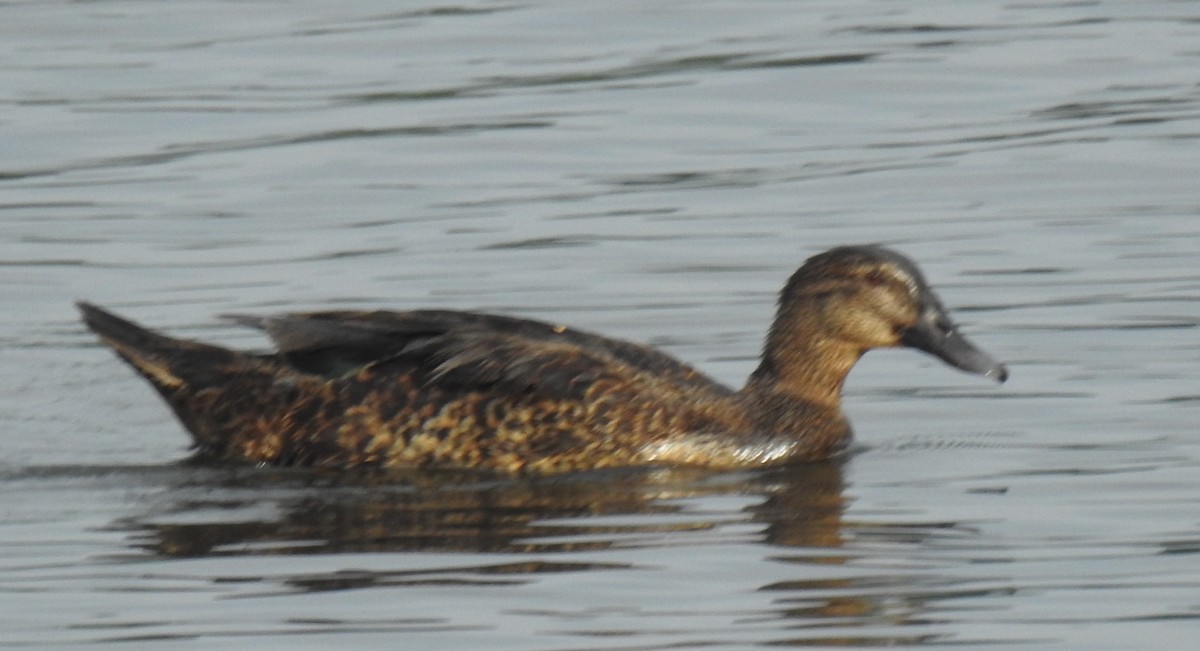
<point x="848" y="300"/>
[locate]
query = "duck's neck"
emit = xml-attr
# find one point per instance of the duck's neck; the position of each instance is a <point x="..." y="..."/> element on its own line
<point x="793" y="402"/>
<point x="807" y="369"/>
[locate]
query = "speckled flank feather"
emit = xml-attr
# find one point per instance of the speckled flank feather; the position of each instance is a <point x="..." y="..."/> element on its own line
<point x="460" y="389"/>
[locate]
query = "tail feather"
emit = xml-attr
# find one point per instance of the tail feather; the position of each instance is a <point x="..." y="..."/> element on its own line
<point x="169" y="364"/>
<point x="191" y="376"/>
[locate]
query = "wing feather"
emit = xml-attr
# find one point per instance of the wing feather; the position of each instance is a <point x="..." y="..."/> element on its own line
<point x="470" y="349"/>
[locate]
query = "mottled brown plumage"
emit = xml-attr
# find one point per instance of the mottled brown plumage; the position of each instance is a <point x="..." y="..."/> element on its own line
<point x="461" y="389"/>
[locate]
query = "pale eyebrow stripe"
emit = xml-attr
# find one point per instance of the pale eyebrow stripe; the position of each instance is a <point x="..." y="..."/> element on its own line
<point x="905" y="278"/>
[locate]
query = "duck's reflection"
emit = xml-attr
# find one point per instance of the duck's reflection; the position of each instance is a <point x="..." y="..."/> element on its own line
<point x="221" y="511"/>
<point x="210" y="512"/>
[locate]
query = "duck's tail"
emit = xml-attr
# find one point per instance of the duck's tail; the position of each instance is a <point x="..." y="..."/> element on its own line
<point x="178" y="369"/>
<point x="169" y="364"/>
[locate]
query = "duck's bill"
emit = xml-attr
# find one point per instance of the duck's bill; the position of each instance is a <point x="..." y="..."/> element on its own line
<point x="938" y="336"/>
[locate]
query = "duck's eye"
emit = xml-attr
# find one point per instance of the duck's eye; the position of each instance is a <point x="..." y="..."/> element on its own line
<point x="876" y="277"/>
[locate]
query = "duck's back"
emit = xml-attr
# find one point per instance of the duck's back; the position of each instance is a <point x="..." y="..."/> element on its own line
<point x="334" y="342"/>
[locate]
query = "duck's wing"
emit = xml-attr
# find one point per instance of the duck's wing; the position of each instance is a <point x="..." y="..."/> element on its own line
<point x="463" y="347"/>
<point x="336" y="343"/>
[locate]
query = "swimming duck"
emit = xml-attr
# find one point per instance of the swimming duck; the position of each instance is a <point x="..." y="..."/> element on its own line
<point x="466" y="389"/>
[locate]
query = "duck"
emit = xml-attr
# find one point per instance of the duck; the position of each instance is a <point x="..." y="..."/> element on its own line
<point x="458" y="389"/>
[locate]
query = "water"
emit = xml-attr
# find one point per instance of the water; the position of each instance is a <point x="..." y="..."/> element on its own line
<point x="651" y="171"/>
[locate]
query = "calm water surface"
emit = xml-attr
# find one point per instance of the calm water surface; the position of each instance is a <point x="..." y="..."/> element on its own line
<point x="652" y="171"/>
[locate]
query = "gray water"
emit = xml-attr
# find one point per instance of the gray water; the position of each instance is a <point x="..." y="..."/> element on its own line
<point x="652" y="171"/>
